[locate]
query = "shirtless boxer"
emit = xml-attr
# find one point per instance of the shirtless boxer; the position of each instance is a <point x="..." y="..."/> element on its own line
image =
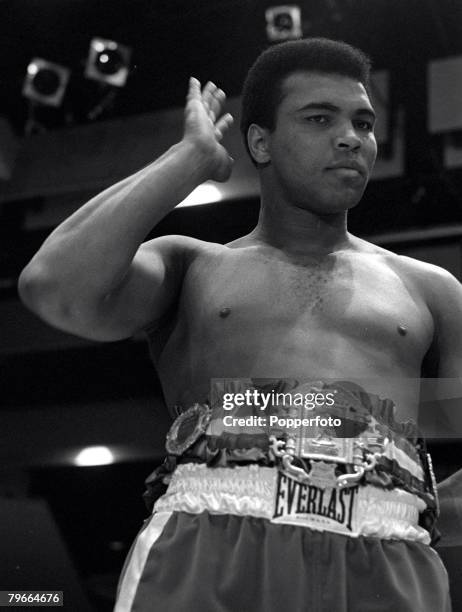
<point x="300" y="298"/>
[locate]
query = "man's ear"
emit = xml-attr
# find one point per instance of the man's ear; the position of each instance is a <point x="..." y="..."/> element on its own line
<point x="257" y="140"/>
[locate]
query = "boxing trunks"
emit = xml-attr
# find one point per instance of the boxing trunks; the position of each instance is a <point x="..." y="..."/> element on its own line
<point x="259" y="516"/>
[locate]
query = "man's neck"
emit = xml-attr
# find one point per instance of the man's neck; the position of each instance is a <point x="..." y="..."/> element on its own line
<point x="301" y="232"/>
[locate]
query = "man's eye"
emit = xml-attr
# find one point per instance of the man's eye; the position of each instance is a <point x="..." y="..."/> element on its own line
<point x="364" y="125"/>
<point x="321" y="119"/>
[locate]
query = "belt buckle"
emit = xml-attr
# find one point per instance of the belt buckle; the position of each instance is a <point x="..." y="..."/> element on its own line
<point x="187" y="428"/>
<point x="324" y="454"/>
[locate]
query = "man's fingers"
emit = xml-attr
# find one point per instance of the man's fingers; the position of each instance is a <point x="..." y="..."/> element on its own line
<point x="223" y="124"/>
<point x="208" y="90"/>
<point x="194" y="89"/>
<point x="219" y="98"/>
<point x="213" y="98"/>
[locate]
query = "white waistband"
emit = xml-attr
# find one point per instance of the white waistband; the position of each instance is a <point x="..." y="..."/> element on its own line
<point x="263" y="492"/>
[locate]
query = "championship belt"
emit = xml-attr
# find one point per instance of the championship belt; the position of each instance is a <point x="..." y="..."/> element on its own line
<point x="312" y="456"/>
<point x="187" y="428"/>
<point x="319" y="466"/>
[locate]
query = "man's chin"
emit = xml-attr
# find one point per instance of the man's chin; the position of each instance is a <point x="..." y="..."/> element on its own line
<point x="346" y="200"/>
<point x="338" y="205"/>
<point x="331" y="201"/>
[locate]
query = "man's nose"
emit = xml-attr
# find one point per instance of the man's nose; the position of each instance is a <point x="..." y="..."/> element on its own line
<point x="347" y="139"/>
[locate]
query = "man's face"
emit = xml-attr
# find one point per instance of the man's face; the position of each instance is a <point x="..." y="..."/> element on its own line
<point x="322" y="148"/>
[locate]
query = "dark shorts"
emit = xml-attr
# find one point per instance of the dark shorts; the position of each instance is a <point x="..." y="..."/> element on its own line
<point x="205" y="562"/>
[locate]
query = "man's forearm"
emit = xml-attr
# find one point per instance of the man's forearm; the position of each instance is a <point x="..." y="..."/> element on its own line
<point x="90" y="253"/>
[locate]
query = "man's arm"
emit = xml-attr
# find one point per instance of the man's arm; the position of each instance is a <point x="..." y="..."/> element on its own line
<point x="91" y="277"/>
<point x="447" y="295"/>
<point x="445" y="302"/>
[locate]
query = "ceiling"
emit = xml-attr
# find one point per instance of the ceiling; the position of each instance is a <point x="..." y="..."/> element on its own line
<point x="211" y="39"/>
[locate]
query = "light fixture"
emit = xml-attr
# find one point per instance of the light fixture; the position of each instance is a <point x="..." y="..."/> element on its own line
<point x="108" y="62"/>
<point x="45" y="82"/>
<point x="94" y="455"/>
<point x="283" y="22"/>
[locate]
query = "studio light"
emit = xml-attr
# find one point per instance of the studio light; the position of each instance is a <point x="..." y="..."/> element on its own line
<point x="108" y="62"/>
<point x="45" y="82"/>
<point x="283" y="23"/>
<point x="94" y="455"/>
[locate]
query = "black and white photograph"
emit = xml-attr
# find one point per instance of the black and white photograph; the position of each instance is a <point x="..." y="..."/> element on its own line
<point x="231" y="305"/>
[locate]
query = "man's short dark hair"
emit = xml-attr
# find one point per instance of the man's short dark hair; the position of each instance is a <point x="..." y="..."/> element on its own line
<point x="262" y="92"/>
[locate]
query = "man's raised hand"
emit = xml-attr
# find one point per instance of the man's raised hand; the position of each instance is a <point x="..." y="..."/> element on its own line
<point x="205" y="127"/>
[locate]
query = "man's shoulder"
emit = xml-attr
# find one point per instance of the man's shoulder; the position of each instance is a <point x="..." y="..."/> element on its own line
<point x="429" y="276"/>
<point x="433" y="282"/>
<point x="185" y="247"/>
<point x="416" y="268"/>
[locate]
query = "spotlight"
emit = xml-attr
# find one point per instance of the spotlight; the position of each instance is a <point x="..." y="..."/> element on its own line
<point x="108" y="62"/>
<point x="283" y="22"/>
<point x="94" y="455"/>
<point x="45" y="82"/>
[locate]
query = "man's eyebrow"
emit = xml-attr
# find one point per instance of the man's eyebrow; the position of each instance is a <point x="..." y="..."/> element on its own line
<point x="334" y="108"/>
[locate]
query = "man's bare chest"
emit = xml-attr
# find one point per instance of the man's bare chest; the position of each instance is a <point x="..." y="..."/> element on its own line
<point x="349" y="294"/>
<point x="249" y="316"/>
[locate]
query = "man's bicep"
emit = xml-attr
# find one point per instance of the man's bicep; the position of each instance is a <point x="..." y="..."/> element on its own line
<point x="448" y="341"/>
<point x="448" y="317"/>
<point x="149" y="290"/>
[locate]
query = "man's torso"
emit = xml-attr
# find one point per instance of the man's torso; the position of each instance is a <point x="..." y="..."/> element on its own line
<point x="250" y="311"/>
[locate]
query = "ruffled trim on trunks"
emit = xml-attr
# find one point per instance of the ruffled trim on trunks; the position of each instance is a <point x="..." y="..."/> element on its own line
<point x="251" y="491"/>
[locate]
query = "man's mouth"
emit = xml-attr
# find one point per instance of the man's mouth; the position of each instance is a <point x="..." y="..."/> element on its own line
<point x="348" y="168"/>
